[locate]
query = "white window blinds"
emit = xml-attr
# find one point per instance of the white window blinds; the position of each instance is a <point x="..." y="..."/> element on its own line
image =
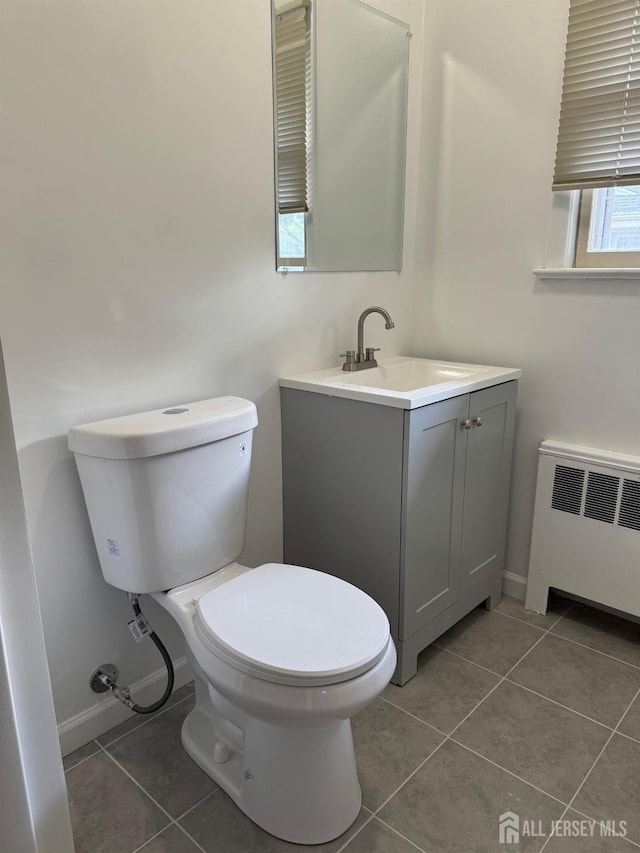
<point x="599" y="132"/>
<point x="291" y="34"/>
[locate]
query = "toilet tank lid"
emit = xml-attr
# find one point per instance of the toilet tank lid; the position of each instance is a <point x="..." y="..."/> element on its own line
<point x="164" y="430"/>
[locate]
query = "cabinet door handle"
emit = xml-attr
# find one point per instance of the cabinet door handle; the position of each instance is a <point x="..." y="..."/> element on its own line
<point x="478" y="421"/>
<point x="466" y="424"/>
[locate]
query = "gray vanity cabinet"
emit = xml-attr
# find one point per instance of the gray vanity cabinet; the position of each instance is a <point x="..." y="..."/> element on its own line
<point x="408" y="505"/>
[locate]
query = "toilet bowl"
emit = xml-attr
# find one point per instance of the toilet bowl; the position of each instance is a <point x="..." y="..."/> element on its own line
<point x="283" y="656"/>
<point x="271" y="724"/>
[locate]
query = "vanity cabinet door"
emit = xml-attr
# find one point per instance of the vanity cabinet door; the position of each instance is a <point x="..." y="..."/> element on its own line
<point x="433" y="494"/>
<point x="488" y="468"/>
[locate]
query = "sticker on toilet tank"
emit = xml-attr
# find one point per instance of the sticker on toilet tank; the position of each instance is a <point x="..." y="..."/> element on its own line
<point x="243" y="448"/>
<point x="113" y="547"/>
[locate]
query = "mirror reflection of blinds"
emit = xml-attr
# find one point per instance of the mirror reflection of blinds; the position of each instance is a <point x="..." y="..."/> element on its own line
<point x="291" y="68"/>
<point x="599" y="132"/>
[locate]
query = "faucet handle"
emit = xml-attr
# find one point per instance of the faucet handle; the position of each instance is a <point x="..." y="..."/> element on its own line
<point x="350" y="356"/>
<point x="370" y="353"/>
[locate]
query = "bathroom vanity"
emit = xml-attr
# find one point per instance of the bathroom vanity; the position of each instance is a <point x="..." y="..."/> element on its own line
<point x="398" y="482"/>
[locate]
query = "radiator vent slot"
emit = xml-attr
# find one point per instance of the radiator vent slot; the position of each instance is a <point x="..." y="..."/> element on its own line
<point x="602" y="497"/>
<point x="568" y="484"/>
<point x="630" y="505"/>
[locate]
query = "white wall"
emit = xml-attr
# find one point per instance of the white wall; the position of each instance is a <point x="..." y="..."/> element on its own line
<point x="137" y="237"/>
<point x="34" y="814"/>
<point x="493" y="74"/>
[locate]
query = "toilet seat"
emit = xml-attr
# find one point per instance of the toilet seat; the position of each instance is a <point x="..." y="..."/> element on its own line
<point x="293" y="625"/>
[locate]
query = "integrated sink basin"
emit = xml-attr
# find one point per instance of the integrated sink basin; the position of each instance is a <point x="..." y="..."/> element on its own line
<point x="410" y="374"/>
<point x="407" y="383"/>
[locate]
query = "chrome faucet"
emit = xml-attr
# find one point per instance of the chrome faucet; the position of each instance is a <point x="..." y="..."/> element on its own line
<point x="364" y="358"/>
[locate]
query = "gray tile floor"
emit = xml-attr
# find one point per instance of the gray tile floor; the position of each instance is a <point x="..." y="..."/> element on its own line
<point x="509" y="711"/>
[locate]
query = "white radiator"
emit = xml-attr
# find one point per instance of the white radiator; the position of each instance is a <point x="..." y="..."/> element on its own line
<point x="586" y="527"/>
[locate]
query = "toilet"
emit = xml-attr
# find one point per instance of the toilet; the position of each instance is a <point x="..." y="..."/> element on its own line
<point x="283" y="656"/>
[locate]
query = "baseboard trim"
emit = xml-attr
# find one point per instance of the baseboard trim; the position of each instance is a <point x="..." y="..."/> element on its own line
<point x="514" y="585"/>
<point x="108" y="712"/>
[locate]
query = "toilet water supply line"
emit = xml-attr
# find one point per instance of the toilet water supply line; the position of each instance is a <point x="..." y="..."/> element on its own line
<point x="140" y="629"/>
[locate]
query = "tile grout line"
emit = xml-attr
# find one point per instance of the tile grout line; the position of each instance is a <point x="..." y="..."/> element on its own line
<point x="390" y="797"/>
<point x="515" y="619"/>
<point x="181" y="828"/>
<point x="189" y="810"/>
<point x="372" y="817"/>
<point x="149" y="840"/>
<point x="191" y="838"/>
<point x="530" y="624"/>
<point x="568" y="639"/>
<point x="153" y="800"/>
<point x="628" y="737"/>
<point x="396" y="832"/>
<point x="357" y="832"/>
<point x="137" y="784"/>
<point x="153" y="837"/>
<point x="590" y="770"/>
<point x="86" y="758"/>
<point x="413" y="716"/>
<point x="560" y="616"/>
<point x="596" y="651"/>
<point x="509" y="772"/>
<point x="559" y="704"/>
<point x="199" y="803"/>
<point x="582" y="814"/>
<point x="466" y="660"/>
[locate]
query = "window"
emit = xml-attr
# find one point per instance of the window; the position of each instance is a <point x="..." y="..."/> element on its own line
<point x="292" y="239"/>
<point x="598" y="148"/>
<point x="609" y="228"/>
<point x="292" y="70"/>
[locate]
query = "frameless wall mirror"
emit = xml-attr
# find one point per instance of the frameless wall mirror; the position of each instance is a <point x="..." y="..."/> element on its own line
<point x="340" y="77"/>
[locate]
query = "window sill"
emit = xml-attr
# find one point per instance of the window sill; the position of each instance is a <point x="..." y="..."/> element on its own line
<point x="588" y="273"/>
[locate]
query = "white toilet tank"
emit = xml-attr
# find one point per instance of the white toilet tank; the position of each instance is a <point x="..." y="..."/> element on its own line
<point x="166" y="490"/>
